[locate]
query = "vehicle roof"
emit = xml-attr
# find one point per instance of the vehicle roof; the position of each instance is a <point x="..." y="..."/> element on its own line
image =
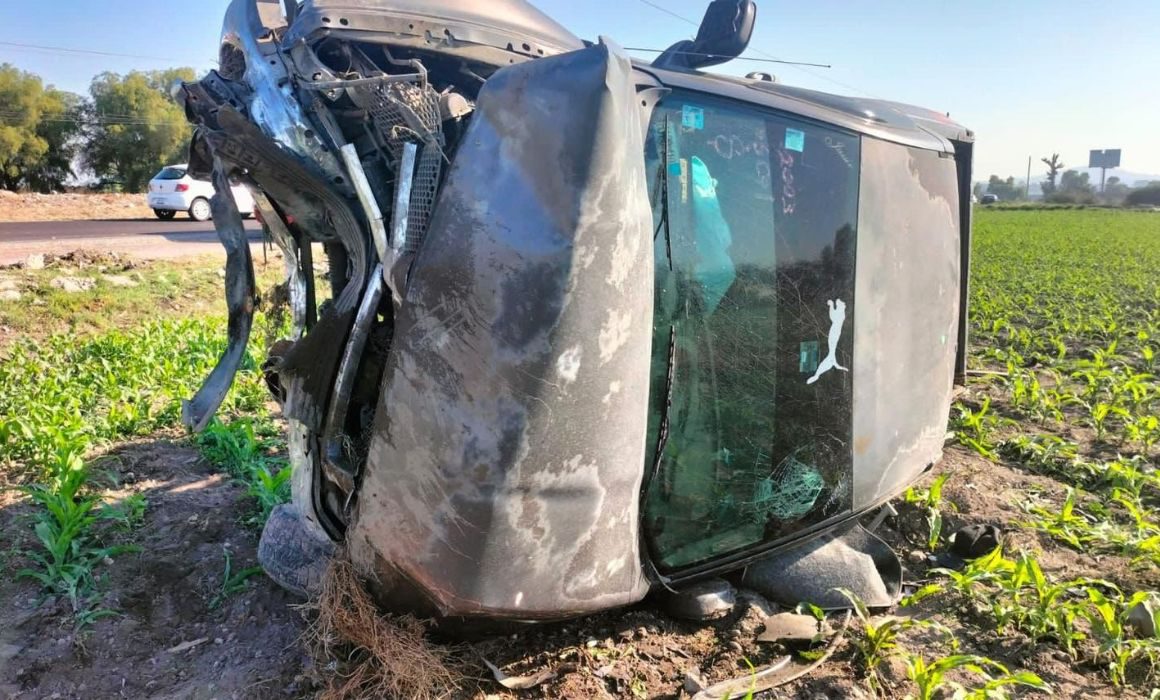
<point x="884" y="119"/>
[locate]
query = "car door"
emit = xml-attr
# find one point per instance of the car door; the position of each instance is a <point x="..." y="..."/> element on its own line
<point x="750" y="430"/>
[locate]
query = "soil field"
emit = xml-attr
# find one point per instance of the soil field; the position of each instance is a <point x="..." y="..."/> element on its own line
<point x="1054" y="441"/>
<point x="16" y="206"/>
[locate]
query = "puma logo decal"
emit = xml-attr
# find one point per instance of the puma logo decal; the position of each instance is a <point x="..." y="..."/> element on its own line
<point x="837" y="319"/>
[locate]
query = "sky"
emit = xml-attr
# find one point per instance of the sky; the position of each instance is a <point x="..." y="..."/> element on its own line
<point x="1030" y="78"/>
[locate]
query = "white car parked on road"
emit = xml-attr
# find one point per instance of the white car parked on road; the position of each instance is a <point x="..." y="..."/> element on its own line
<point x="173" y="190"/>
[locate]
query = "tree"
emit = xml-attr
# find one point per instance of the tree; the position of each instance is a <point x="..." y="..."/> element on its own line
<point x="1074" y="188"/>
<point x="1006" y="190"/>
<point x="38" y="129"/>
<point x="1115" y="191"/>
<point x="136" y="128"/>
<point x="1054" y="165"/>
<point x="1145" y="196"/>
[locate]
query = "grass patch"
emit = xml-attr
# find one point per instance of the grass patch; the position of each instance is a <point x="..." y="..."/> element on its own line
<point x="123" y="295"/>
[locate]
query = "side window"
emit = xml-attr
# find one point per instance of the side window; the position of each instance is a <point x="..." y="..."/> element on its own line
<point x="755" y="232"/>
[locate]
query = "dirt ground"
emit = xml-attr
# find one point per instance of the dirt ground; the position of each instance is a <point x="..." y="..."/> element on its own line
<point x="15" y="206"/>
<point x="172" y="639"/>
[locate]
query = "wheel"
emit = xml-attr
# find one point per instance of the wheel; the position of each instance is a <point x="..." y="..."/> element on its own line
<point x="294" y="558"/>
<point x="165" y="214"/>
<point x="199" y="210"/>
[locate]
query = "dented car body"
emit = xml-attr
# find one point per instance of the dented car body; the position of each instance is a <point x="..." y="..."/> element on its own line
<point x="594" y="326"/>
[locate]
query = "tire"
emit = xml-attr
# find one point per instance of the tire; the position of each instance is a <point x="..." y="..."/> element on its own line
<point x="199" y="210"/>
<point x="165" y="214"/>
<point x="291" y="555"/>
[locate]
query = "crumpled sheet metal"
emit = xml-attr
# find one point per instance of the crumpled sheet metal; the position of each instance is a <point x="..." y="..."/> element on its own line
<point x="197" y="412"/>
<point x="505" y="468"/>
<point x="907" y="295"/>
<point x="249" y="26"/>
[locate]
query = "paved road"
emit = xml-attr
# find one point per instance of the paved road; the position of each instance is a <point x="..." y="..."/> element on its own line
<point x="178" y="230"/>
<point x="141" y="238"/>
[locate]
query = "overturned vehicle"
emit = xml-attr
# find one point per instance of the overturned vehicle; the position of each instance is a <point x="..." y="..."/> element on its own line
<point x="595" y="327"/>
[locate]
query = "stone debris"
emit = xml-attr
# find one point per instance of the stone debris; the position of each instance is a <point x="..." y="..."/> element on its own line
<point x="120" y="281"/>
<point x="72" y="285"/>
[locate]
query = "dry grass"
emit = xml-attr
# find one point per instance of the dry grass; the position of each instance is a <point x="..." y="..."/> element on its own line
<point x="374" y="655"/>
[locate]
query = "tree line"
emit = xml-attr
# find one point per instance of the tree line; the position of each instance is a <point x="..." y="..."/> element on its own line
<point x="126" y="129"/>
<point x="1072" y="187"/>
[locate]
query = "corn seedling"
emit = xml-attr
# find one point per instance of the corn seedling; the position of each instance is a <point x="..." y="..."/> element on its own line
<point x="232" y="582"/>
<point x="930" y="678"/>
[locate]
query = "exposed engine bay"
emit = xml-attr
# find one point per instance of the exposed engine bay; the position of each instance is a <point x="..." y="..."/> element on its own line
<point x="346" y="143"/>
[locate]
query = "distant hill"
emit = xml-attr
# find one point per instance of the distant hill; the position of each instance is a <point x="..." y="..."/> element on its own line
<point x="1126" y="176"/>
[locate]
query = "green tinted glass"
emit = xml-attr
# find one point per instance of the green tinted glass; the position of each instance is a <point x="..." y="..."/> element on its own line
<point x="753" y="327"/>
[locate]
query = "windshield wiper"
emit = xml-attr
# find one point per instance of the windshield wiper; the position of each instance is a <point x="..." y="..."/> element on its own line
<point x="664" y="194"/>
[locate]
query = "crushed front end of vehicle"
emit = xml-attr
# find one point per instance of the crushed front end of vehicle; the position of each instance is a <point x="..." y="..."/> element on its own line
<point x="508" y="405"/>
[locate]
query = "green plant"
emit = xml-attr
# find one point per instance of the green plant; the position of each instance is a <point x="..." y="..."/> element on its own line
<point x="930" y="678"/>
<point x="875" y="641"/>
<point x="1069" y="524"/>
<point x="129" y="513"/>
<point x="973" y="428"/>
<point x="232" y="582"/>
<point x="63" y="527"/>
<point x="930" y="499"/>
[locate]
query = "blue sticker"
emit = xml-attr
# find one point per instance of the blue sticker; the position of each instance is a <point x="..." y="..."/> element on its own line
<point x="692" y="117"/>
<point x="795" y="140"/>
<point x="808" y="356"/>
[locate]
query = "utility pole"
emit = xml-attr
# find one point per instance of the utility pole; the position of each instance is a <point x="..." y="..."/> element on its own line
<point x="1027" y="185"/>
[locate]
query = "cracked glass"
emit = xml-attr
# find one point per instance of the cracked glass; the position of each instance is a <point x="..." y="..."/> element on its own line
<point x="750" y="399"/>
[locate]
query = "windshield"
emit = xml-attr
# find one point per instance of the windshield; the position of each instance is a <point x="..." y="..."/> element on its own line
<point x="753" y="327"/>
<point x="170" y="173"/>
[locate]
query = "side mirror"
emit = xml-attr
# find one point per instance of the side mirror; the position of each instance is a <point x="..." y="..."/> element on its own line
<point x="724" y="33"/>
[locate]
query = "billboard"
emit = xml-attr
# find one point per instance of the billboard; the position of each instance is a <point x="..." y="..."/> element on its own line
<point x="1109" y="158"/>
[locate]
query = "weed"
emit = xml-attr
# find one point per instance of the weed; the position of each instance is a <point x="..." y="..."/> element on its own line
<point x="128" y="514"/>
<point x="232" y="582"/>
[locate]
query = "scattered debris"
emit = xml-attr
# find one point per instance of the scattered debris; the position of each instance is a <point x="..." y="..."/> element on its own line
<point x="186" y="646"/>
<point x="704" y="600"/>
<point x="34" y="262"/>
<point x="73" y="285"/>
<point x="792" y="627"/>
<point x="1142" y="619"/>
<point x="975" y="540"/>
<point x="694" y="681"/>
<point x="778" y="672"/>
<point x="520" y="682"/>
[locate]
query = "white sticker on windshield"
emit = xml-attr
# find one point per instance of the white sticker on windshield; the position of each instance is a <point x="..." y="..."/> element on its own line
<point x="837" y="319"/>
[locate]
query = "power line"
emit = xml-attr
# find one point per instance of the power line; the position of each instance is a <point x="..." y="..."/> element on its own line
<point x="792" y="64"/>
<point x="63" y="49"/>
<point x="91" y="52"/>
